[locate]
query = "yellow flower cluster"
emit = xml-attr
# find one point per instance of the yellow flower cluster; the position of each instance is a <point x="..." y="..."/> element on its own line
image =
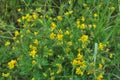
<point x="100" y="46"/>
<point x="100" y="77"/>
<point x="84" y="38"/>
<point x="7" y="43"/>
<point x="17" y="33"/>
<point x="12" y="64"/>
<point x="5" y="74"/>
<point x="33" y="51"/>
<point x="53" y="25"/>
<point x="80" y="63"/>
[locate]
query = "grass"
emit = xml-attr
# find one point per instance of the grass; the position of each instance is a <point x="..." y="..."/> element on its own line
<point x="59" y="40"/>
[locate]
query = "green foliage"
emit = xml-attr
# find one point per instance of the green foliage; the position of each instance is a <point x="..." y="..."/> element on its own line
<point x="59" y="40"/>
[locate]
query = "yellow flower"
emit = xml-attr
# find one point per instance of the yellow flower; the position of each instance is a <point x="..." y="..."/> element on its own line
<point x="12" y="64"/>
<point x="69" y="43"/>
<point x="35" y="33"/>
<point x="19" y="20"/>
<point x="59" y="68"/>
<point x="32" y="47"/>
<point x="13" y="48"/>
<point x="53" y="26"/>
<point x="59" y="36"/>
<point x="100" y="46"/>
<point x="82" y="26"/>
<point x="69" y="12"/>
<point x="36" y="41"/>
<point x="34" y="62"/>
<point x="68" y="49"/>
<point x="83" y="19"/>
<point x="100" y="66"/>
<point x="52" y="73"/>
<point x="33" y="78"/>
<point x="52" y="78"/>
<point x="100" y="77"/>
<point x="17" y="33"/>
<point x="59" y="18"/>
<point x="111" y="55"/>
<point x="79" y="56"/>
<point x="84" y="38"/>
<point x="78" y="71"/>
<point x="5" y="74"/>
<point x="95" y="15"/>
<point x="74" y="62"/>
<point x="33" y="53"/>
<point x="94" y="25"/>
<point x="7" y="43"/>
<point x="67" y="32"/>
<point x="28" y="31"/>
<point x="19" y="10"/>
<point x="52" y="36"/>
<point x="23" y="17"/>
<point x="35" y="15"/>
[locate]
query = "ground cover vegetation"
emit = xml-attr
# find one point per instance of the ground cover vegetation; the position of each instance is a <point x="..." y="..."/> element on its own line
<point x="59" y="40"/>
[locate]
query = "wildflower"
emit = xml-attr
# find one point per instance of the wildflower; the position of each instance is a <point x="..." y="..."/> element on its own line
<point x="13" y="48"/>
<point x="23" y="17"/>
<point x="32" y="47"/>
<point x="53" y="26"/>
<point x="28" y="31"/>
<point x="59" y="68"/>
<point x="78" y="71"/>
<point x="28" y="17"/>
<point x="7" y="43"/>
<point x="100" y="66"/>
<point x="67" y="32"/>
<point x="5" y="74"/>
<point x="19" y="10"/>
<point x="84" y="38"/>
<point x="95" y="15"/>
<point x="35" y="33"/>
<point x="94" y="25"/>
<point x="82" y="18"/>
<point x="19" y="20"/>
<point x="52" y="78"/>
<point x="82" y="26"/>
<point x="79" y="56"/>
<point x="68" y="49"/>
<point x="17" y="41"/>
<point x="17" y="33"/>
<point x="33" y="78"/>
<point x="34" y="62"/>
<point x="59" y="18"/>
<point x="74" y="62"/>
<point x="33" y="53"/>
<point x="111" y="55"/>
<point x="52" y="36"/>
<point x="69" y="12"/>
<point x="35" y="15"/>
<point x="100" y="77"/>
<point x="36" y="41"/>
<point x="12" y="64"/>
<point x="69" y="43"/>
<point x="59" y="36"/>
<point x="100" y="46"/>
<point x="52" y="73"/>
